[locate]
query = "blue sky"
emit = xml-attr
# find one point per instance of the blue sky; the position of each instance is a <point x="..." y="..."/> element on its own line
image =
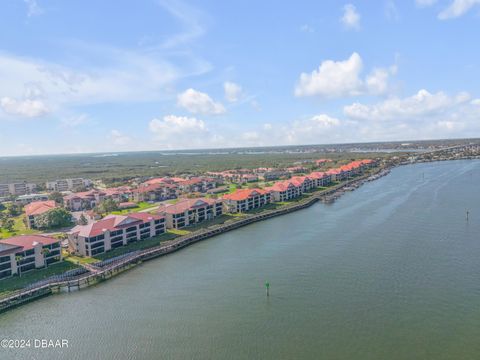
<point x="95" y="76"/>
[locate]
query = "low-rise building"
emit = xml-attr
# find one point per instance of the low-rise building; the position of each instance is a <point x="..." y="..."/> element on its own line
<point x="155" y="192"/>
<point x="23" y="253"/>
<point x="17" y="188"/>
<point x="68" y="184"/>
<point x="190" y="211"/>
<point x="27" y="199"/>
<point x="197" y="184"/>
<point x="37" y="208"/>
<point x="114" y="231"/>
<point x="304" y="182"/>
<point x="320" y="178"/>
<point x="285" y="190"/>
<point x="246" y="199"/>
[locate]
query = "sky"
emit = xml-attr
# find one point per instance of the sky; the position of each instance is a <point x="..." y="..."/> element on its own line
<point x="115" y="75"/>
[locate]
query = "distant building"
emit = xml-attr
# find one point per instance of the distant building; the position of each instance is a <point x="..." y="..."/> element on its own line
<point x="18" y="188"/>
<point x="190" y="211"/>
<point x="37" y="208"/>
<point x="27" y="199"/>
<point x="155" y="192"/>
<point x="68" y="184"/>
<point x="23" y="253"/>
<point x="246" y="199"/>
<point x="89" y="199"/>
<point x="114" y="231"/>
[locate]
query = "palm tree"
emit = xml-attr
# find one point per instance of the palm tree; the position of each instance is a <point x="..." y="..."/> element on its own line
<point x="45" y="252"/>
<point x="19" y="258"/>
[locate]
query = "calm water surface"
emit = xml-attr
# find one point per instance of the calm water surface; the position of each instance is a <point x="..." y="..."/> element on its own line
<point x="390" y="271"/>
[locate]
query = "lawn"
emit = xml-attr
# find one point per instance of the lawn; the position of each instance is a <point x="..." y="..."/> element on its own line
<point x="18" y="229"/>
<point x="141" y="206"/>
<point x="18" y="282"/>
<point x="138" y="245"/>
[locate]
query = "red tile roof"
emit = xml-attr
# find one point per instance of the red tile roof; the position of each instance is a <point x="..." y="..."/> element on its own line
<point x="184" y="205"/>
<point x="243" y="194"/>
<point x="39" y="207"/>
<point x="281" y="186"/>
<point x="113" y="222"/>
<point x="318" y="175"/>
<point x="28" y="242"/>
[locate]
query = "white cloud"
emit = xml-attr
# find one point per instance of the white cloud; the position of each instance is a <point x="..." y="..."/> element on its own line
<point x="33" y="9"/>
<point x="118" y="138"/>
<point x="425" y="3"/>
<point x="377" y="81"/>
<point x="457" y="8"/>
<point x="233" y="91"/>
<point x="177" y="132"/>
<point x="199" y="103"/>
<point x="25" y="108"/>
<point x="332" y="79"/>
<point x="128" y="77"/>
<point x="342" y="78"/>
<point x="422" y="104"/>
<point x="189" y="17"/>
<point x="350" y="18"/>
<point x="475" y="102"/>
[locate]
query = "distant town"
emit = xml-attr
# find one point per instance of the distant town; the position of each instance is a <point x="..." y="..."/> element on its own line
<point x="66" y="227"/>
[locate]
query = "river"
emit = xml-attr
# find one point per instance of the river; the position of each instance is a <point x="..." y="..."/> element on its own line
<point x="389" y="271"/>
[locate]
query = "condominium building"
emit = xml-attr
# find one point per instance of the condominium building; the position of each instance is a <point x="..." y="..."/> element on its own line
<point x="190" y="211"/>
<point x="246" y="199"/>
<point x="320" y="178"/>
<point x="18" y="188"/>
<point x="114" y="231"/>
<point x="304" y="182"/>
<point x="37" y="208"/>
<point x="155" y="192"/>
<point x="23" y="253"/>
<point x="89" y="199"/>
<point x="285" y="190"/>
<point x="68" y="184"/>
<point x="27" y="199"/>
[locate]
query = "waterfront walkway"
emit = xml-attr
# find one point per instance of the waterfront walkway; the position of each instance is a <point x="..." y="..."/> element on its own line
<point x="93" y="273"/>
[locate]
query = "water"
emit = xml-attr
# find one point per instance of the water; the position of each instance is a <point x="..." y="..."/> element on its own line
<point x="390" y="271"/>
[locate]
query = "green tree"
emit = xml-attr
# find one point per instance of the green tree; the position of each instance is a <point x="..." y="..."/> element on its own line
<point x="19" y="259"/>
<point x="57" y="196"/>
<point x="106" y="206"/>
<point x="55" y="218"/>
<point x="14" y="209"/>
<point x="82" y="220"/>
<point x="45" y="252"/>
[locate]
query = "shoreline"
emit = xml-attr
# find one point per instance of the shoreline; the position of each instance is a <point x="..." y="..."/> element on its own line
<point x="130" y="260"/>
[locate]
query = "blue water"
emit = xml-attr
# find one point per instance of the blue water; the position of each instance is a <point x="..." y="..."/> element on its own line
<point x="389" y="271"/>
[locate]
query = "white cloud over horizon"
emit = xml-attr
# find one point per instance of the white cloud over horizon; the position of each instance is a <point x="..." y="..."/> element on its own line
<point x="29" y="108"/>
<point x="198" y="102"/>
<point x="343" y="78"/>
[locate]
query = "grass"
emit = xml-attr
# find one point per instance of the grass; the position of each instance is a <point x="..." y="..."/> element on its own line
<point x="79" y="259"/>
<point x="17" y="282"/>
<point x="140" y="206"/>
<point x="138" y="245"/>
<point x="18" y="228"/>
